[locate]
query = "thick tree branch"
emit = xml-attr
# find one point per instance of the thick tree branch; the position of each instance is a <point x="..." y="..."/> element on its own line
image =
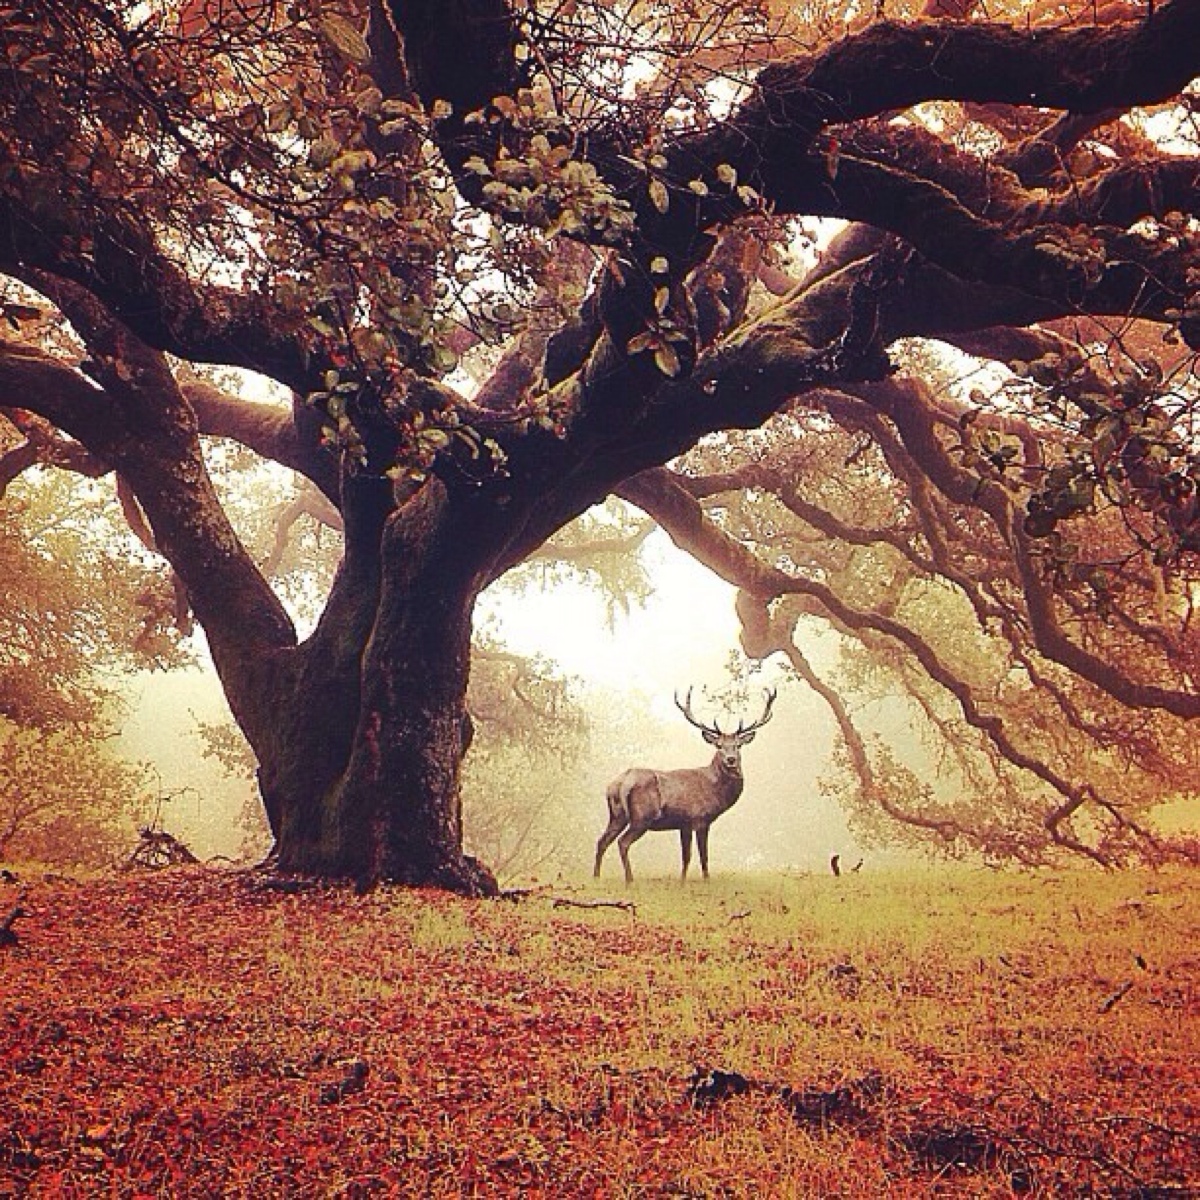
<point x="128" y="272"/>
<point x="135" y="418"/>
<point x="774" y="141"/>
<point x="43" y="444"/>
<point x="307" y="502"/>
<point x="288" y="437"/>
<point x="1111" y="271"/>
<point x="54" y="391"/>
<point x="15" y="462"/>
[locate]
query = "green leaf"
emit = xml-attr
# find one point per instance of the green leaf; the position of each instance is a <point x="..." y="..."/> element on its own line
<point x="345" y="38"/>
<point x="667" y="360"/>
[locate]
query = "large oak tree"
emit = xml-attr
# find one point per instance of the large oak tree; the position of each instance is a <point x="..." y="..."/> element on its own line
<point x="355" y="200"/>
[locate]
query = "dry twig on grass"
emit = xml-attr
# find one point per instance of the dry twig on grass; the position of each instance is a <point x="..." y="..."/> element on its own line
<point x="624" y="905"/>
<point x="1109" y="1002"/>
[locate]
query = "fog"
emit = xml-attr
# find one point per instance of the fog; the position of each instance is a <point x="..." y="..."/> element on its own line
<point x="201" y="806"/>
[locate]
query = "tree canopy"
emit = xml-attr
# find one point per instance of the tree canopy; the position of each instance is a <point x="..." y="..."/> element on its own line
<point x="507" y="259"/>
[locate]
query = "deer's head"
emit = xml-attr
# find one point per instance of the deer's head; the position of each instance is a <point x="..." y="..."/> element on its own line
<point x="728" y="745"/>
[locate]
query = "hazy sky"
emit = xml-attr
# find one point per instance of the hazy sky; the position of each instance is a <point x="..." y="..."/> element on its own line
<point x="680" y="637"/>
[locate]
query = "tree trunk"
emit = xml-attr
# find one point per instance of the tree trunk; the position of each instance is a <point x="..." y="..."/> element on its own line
<point x="363" y="782"/>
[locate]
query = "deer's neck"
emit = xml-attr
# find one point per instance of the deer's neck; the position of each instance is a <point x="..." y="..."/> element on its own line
<point x="727" y="781"/>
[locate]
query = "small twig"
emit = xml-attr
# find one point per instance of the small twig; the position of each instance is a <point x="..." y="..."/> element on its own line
<point x="740" y="915"/>
<point x="1154" y="1126"/>
<point x="516" y="895"/>
<point x="1109" y="1001"/>
<point x="1021" y="971"/>
<point x="624" y="905"/>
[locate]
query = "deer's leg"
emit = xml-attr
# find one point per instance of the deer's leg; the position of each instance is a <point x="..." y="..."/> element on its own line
<point x="615" y="825"/>
<point x="702" y="846"/>
<point x="685" y="844"/>
<point x="626" y="840"/>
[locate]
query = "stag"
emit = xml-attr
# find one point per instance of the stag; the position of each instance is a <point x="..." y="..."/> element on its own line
<point x="689" y="800"/>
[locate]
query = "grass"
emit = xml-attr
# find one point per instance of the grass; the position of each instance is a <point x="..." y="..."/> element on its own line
<point x="928" y="1033"/>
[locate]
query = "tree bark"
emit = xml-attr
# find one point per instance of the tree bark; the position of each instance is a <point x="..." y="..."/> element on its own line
<point x="378" y="797"/>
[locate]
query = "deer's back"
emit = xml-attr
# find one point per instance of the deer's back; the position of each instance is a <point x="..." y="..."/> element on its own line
<point x="672" y="799"/>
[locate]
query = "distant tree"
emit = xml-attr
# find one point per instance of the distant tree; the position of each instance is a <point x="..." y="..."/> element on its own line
<point x="1002" y="746"/>
<point x="64" y="798"/>
<point x="72" y="614"/>
<point x="579" y="205"/>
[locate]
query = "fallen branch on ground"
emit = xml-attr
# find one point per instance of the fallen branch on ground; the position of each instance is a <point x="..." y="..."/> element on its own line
<point x="156" y="849"/>
<point x="516" y="895"/>
<point x="624" y="905"/>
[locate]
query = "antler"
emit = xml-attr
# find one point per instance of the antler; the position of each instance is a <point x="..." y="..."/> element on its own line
<point x="766" y="716"/>
<point x="686" y="708"/>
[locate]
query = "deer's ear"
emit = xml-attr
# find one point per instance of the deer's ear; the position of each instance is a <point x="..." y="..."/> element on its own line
<point x="710" y="737"/>
<point x="747" y="738"/>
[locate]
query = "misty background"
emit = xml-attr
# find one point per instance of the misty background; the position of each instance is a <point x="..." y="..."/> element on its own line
<point x="624" y="666"/>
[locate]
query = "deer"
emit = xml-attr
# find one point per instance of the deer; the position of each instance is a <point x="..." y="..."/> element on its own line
<point x="688" y="800"/>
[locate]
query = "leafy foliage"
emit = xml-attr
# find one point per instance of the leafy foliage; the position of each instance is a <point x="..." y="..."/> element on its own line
<point x="73" y="610"/>
<point x="64" y="800"/>
<point x="72" y="604"/>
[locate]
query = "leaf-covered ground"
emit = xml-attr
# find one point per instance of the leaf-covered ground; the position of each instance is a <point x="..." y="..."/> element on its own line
<point x="193" y="1033"/>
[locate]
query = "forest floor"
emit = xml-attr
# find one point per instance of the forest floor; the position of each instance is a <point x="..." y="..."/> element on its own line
<point x="934" y="1033"/>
